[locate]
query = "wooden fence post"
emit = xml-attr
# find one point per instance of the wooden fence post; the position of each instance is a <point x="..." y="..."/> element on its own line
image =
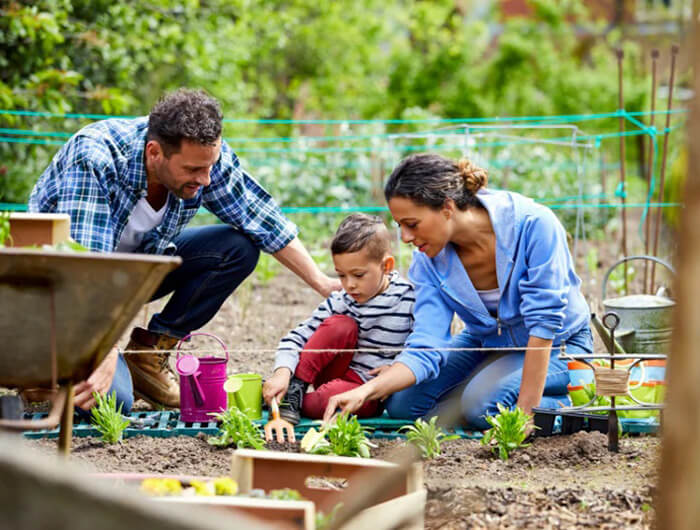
<point x="678" y="506"/>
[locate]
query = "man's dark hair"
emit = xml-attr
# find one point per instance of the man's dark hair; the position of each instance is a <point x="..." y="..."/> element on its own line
<point x="184" y="114"/>
<point x="360" y="230"/>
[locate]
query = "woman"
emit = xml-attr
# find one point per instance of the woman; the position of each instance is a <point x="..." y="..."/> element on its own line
<point x="501" y="263"/>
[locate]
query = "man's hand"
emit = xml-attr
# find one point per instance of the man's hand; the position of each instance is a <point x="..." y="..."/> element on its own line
<point x="349" y="401"/>
<point x="329" y="285"/>
<point x="99" y="381"/>
<point x="277" y="385"/>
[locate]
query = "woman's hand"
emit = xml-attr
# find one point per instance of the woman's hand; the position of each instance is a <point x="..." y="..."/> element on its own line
<point x="277" y="385"/>
<point x="349" y="401"/>
<point x="99" y="381"/>
<point x="379" y="369"/>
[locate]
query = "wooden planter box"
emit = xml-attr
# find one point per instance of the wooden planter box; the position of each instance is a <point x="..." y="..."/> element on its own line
<point x="274" y="470"/>
<point x="270" y="470"/>
<point x="28" y="229"/>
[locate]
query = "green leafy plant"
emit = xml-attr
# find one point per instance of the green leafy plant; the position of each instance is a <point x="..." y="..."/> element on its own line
<point x="237" y="428"/>
<point x="427" y="436"/>
<point x="108" y="418"/>
<point x="344" y="437"/>
<point x="4" y="228"/>
<point x="508" y="430"/>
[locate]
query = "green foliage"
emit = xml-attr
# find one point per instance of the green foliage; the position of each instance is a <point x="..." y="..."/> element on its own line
<point x="238" y="429"/>
<point x="344" y="437"/>
<point x="427" y="436"/>
<point x="107" y="418"/>
<point x="285" y="494"/>
<point x="508" y="431"/>
<point x="324" y="521"/>
<point x="599" y="401"/>
<point x="616" y="280"/>
<point x="266" y="269"/>
<point x="4" y="228"/>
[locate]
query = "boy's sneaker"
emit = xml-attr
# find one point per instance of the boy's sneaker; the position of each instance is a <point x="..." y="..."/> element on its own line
<point x="290" y="408"/>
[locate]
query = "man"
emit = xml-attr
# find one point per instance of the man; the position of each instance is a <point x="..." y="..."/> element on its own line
<point x="132" y="186"/>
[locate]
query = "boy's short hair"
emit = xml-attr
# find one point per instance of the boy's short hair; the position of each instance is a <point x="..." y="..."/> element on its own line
<point x="358" y="231"/>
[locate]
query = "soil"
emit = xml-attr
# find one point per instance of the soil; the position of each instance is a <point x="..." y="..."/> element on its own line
<point x="561" y="481"/>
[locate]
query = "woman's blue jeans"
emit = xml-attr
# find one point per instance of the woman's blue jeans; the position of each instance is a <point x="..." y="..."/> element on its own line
<point x="215" y="260"/>
<point x="483" y="386"/>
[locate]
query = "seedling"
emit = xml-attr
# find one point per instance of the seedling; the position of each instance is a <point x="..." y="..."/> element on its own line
<point x="427" y="436"/>
<point x="237" y="428"/>
<point x="344" y="437"/>
<point x="107" y="418"/>
<point x="508" y="430"/>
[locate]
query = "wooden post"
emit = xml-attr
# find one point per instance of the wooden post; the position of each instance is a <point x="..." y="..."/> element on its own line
<point x="679" y="485"/>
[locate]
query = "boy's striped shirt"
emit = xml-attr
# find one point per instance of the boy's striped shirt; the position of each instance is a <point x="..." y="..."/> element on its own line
<point x="383" y="323"/>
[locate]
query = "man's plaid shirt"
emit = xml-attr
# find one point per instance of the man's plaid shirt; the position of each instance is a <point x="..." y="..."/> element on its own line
<point x="99" y="175"/>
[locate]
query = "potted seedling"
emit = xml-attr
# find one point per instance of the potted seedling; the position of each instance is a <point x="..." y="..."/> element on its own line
<point x="108" y="418"/>
<point x="508" y="431"/>
<point x="427" y="436"/>
<point x="237" y="429"/>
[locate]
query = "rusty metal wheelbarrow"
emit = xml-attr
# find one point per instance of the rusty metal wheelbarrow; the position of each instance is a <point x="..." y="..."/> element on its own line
<point x="61" y="313"/>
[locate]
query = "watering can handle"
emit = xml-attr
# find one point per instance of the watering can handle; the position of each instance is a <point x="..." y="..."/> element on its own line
<point x="183" y="339"/>
<point x="630" y="258"/>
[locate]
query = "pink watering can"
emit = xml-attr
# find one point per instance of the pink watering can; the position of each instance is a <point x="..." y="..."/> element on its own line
<point x="201" y="383"/>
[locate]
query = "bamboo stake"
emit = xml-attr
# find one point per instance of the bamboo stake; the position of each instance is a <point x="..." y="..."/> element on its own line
<point x="657" y="228"/>
<point x="678" y="507"/>
<point x="650" y="164"/>
<point x="620" y="54"/>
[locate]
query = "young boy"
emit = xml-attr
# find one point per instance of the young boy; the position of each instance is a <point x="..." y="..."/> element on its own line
<point x="374" y="311"/>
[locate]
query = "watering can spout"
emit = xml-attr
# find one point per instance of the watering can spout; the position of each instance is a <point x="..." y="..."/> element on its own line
<point x="605" y="334"/>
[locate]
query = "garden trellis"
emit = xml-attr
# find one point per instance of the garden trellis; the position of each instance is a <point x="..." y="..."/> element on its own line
<point x="318" y="178"/>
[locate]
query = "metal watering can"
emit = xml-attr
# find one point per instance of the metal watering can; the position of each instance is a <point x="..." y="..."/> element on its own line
<point x="645" y="320"/>
<point x="201" y="383"/>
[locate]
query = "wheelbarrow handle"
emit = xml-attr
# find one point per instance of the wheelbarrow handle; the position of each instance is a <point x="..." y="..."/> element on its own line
<point x="630" y="258"/>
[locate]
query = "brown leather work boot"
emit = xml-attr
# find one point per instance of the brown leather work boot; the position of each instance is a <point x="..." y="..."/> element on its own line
<point x="153" y="380"/>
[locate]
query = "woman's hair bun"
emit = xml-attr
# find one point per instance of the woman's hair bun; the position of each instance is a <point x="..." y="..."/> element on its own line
<point x="475" y="177"/>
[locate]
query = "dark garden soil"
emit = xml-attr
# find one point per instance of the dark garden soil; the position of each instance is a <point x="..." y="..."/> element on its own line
<point x="557" y="482"/>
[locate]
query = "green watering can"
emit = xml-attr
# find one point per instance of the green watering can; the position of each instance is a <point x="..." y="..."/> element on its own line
<point x="645" y="319"/>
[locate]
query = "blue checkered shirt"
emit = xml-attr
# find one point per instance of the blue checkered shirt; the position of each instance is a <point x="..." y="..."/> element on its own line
<point x="99" y="175"/>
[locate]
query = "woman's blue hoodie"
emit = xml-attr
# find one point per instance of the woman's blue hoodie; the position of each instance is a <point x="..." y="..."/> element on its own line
<point x="540" y="293"/>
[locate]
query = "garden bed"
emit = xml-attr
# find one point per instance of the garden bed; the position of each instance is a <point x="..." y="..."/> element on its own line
<point x="571" y="481"/>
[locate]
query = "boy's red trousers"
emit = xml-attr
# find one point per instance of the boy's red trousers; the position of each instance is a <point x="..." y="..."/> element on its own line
<point x="329" y="371"/>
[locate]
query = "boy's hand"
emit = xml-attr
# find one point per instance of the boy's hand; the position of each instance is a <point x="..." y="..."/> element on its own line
<point x="379" y="369"/>
<point x="277" y="385"/>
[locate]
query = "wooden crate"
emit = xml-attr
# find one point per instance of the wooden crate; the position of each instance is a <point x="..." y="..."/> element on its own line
<point x="28" y="229"/>
<point x="282" y="515"/>
<point x="285" y="515"/>
<point x="274" y="470"/>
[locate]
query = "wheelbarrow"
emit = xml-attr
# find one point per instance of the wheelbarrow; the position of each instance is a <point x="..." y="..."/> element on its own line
<point x="60" y="314"/>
